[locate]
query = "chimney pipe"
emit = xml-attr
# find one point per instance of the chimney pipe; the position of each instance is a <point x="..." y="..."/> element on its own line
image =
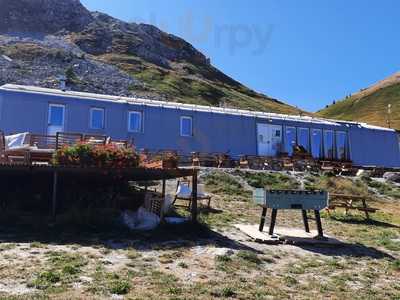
<point x="63" y="82"/>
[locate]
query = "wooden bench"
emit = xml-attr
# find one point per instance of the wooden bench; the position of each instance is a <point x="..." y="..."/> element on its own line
<point x="351" y="202"/>
<point x="204" y="160"/>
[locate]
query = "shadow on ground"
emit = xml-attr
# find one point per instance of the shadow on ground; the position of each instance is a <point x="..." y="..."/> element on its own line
<point x="117" y="236"/>
<point x="371" y="222"/>
<point x="348" y="249"/>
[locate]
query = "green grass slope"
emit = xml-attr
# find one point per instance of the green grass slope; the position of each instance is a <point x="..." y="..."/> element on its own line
<point x="370" y="105"/>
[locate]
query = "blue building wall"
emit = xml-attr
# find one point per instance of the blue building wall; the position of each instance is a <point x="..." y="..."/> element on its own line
<point x="212" y="131"/>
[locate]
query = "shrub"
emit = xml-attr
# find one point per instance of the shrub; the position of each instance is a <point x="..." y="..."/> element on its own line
<point x="249" y="256"/>
<point x="269" y="180"/>
<point x="86" y="155"/>
<point x="45" y="280"/>
<point x="225" y="184"/>
<point x="70" y="74"/>
<point x="120" y="287"/>
<point x="228" y="292"/>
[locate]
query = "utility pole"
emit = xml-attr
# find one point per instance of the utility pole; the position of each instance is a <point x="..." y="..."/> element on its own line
<point x="389" y="112"/>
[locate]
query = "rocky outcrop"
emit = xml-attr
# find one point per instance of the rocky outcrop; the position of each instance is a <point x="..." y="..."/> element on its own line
<point x="110" y="35"/>
<point x="392" y="176"/>
<point x="42" y="16"/>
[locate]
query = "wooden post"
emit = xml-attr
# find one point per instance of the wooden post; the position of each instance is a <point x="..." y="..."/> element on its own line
<point x="364" y="203"/>
<point x="54" y="202"/>
<point x="194" y="196"/>
<point x="163" y="188"/>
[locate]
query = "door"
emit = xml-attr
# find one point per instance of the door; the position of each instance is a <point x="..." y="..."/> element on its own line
<point x="269" y="139"/>
<point x="56" y="119"/>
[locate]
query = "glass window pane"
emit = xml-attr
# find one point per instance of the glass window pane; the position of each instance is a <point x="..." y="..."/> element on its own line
<point x="135" y="121"/>
<point x="341" y="145"/>
<point x="186" y="126"/>
<point x="56" y="117"/>
<point x="328" y="144"/>
<point x="316" y="143"/>
<point x="97" y="118"/>
<point x="290" y="139"/>
<point x="303" y="136"/>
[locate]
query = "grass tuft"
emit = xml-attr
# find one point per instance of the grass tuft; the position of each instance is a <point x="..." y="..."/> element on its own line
<point x="119" y="287"/>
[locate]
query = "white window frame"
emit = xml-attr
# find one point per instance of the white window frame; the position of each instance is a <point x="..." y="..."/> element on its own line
<point x="49" y="113"/>
<point x="191" y="126"/>
<point x="92" y="109"/>
<point x="140" y="114"/>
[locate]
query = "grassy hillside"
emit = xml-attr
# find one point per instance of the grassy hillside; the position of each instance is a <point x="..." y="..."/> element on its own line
<point x="196" y="84"/>
<point x="370" y="105"/>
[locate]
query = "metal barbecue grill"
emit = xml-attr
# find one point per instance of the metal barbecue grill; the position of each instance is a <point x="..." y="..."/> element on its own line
<point x="291" y="199"/>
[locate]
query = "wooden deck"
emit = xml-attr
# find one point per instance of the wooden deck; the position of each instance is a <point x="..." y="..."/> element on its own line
<point x="54" y="174"/>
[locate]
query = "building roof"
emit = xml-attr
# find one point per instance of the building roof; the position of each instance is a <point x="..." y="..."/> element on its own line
<point x="182" y="106"/>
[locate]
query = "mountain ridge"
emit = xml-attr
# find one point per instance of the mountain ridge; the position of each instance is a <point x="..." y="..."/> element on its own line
<point x="370" y="104"/>
<point x="42" y="39"/>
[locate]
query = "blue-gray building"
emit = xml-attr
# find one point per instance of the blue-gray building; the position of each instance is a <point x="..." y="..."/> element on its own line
<point x="158" y="125"/>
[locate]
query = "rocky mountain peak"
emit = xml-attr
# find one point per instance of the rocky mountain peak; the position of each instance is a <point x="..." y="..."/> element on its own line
<point x="42" y="16"/>
<point x="42" y="39"/>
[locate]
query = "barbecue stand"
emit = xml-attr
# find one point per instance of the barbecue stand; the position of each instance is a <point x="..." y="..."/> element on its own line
<point x="291" y="199"/>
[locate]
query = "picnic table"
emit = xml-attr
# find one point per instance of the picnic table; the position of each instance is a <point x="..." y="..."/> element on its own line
<point x="351" y="202"/>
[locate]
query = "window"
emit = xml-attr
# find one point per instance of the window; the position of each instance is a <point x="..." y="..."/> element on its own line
<point x="135" y="122"/>
<point x="56" y="114"/>
<point x="186" y="126"/>
<point x="341" y="145"/>
<point x="97" y="118"/>
<point x="303" y="136"/>
<point x="329" y="144"/>
<point x="316" y="143"/>
<point x="290" y="139"/>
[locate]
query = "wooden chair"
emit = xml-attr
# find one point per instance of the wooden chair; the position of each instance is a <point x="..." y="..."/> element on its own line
<point x="17" y="154"/>
<point x="42" y="141"/>
<point x="184" y="192"/>
<point x="185" y="160"/>
<point x="288" y="164"/>
<point x="223" y="160"/>
<point x="95" y="139"/>
<point x="42" y="148"/>
<point x="3" y="155"/>
<point x="67" y="139"/>
<point x="204" y="160"/>
<point x="244" y="162"/>
<point x="327" y="166"/>
<point x="118" y="143"/>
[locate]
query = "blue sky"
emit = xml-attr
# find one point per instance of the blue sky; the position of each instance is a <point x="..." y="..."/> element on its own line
<point x="306" y="53"/>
